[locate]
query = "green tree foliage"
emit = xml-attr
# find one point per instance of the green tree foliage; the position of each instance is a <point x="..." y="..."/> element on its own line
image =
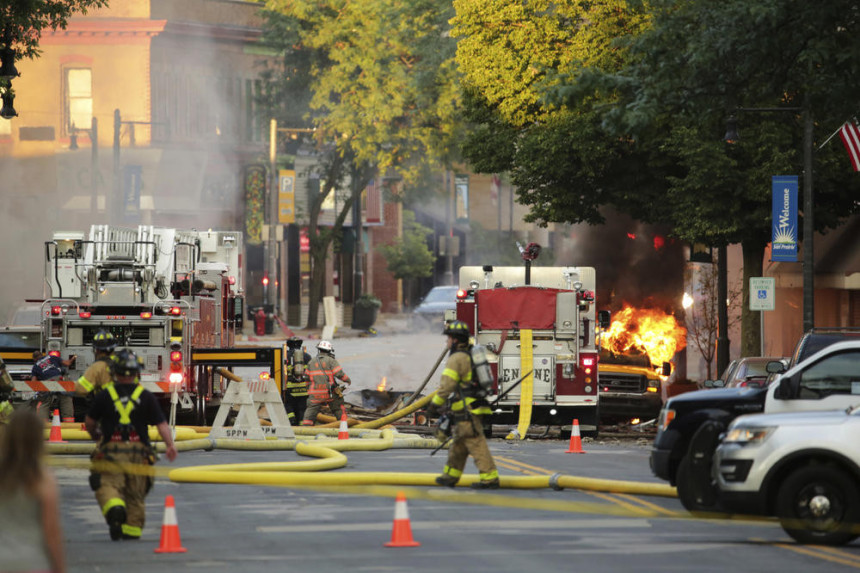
<point x="23" y="21"/>
<point x="409" y="256"/>
<point x="380" y="87"/>
<point x="634" y="119"/>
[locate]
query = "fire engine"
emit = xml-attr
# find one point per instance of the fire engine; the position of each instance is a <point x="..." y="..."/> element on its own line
<point x="162" y="292"/>
<point x="555" y="309"/>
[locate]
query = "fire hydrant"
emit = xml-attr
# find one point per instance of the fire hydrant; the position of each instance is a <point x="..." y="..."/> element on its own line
<point x="260" y="322"/>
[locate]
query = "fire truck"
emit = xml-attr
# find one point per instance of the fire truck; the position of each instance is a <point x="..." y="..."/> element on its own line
<point x="164" y="293"/>
<point x="542" y="319"/>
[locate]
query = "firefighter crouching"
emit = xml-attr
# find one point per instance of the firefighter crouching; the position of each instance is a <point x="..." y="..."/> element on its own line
<point x="296" y="391"/>
<point x="118" y="420"/>
<point x="47" y="367"/>
<point x="97" y="375"/>
<point x="459" y="388"/>
<point x="322" y="389"/>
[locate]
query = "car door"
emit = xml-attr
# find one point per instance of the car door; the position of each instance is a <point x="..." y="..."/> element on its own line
<point x="829" y="383"/>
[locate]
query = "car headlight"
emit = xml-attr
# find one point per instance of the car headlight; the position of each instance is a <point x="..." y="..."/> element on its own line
<point x="665" y="418"/>
<point x="745" y="436"/>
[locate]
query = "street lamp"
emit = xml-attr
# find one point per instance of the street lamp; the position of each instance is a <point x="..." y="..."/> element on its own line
<point x="93" y="132"/>
<point x="808" y="219"/>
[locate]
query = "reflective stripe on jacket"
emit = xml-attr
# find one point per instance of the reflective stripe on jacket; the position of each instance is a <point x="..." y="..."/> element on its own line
<point x="456" y="385"/>
<point x="321" y="372"/>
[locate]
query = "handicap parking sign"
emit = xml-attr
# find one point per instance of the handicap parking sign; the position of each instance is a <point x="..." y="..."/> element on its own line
<point x="763" y="291"/>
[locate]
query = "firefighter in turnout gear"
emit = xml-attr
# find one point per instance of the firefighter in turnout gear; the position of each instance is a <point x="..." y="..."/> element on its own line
<point x="323" y="390"/>
<point x="97" y="376"/>
<point x="465" y="407"/>
<point x="296" y="391"/>
<point x="118" y="420"/>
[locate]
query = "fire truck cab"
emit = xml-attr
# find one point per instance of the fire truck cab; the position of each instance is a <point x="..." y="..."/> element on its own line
<point x="161" y="292"/>
<point x="542" y="319"/>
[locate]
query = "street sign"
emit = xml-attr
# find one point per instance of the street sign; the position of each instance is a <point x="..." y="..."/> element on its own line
<point x="762" y="293"/>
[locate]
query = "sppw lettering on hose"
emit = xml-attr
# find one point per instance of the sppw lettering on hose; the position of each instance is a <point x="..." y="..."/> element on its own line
<point x="235" y="433"/>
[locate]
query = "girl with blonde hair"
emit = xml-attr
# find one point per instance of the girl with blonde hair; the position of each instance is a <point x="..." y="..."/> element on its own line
<point x="29" y="500"/>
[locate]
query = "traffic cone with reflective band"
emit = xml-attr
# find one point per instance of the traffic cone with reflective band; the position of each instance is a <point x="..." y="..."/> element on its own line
<point x="343" y="432"/>
<point x="401" y="534"/>
<point x="56" y="434"/>
<point x="170" y="542"/>
<point x="575" y="440"/>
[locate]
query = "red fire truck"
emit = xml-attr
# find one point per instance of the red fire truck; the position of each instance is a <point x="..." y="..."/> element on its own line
<point x="541" y="319"/>
<point x="164" y="293"/>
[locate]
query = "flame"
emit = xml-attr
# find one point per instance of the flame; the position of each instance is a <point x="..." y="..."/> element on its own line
<point x="381" y="385"/>
<point x="646" y="330"/>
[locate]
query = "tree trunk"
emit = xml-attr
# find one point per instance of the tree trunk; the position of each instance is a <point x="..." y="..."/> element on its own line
<point x="751" y="319"/>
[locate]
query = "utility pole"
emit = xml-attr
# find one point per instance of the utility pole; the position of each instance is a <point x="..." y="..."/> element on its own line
<point x="448" y="277"/>
<point x="358" y="261"/>
<point x="808" y="225"/>
<point x="722" y="310"/>
<point x="271" y="258"/>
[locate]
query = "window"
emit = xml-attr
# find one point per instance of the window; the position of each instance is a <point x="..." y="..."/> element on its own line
<point x="835" y="374"/>
<point x="79" y="98"/>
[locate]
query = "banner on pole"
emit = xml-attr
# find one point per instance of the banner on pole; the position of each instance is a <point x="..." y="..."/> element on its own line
<point x="784" y="237"/>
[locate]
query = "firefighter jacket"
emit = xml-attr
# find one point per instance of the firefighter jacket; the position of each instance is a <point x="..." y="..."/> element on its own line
<point x="48" y="368"/>
<point x="297" y="386"/>
<point x="321" y="372"/>
<point x="96" y="377"/>
<point x="456" y="386"/>
<point x="125" y="412"/>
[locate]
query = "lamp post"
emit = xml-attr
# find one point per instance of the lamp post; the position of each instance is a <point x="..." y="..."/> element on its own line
<point x="358" y="262"/>
<point x="808" y="215"/>
<point x="93" y="132"/>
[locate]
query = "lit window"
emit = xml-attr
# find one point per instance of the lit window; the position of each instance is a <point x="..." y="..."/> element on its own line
<point x="79" y="98"/>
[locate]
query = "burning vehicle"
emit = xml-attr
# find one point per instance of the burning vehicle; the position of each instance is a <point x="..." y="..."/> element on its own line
<point x="635" y="362"/>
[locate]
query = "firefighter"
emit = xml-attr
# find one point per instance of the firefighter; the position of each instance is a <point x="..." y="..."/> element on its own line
<point x="465" y="408"/>
<point x="47" y="367"/>
<point x="296" y="391"/>
<point x="118" y="420"/>
<point x="322" y="388"/>
<point x="97" y="376"/>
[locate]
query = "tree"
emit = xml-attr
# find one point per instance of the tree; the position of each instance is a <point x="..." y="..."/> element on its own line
<point x="381" y="93"/>
<point x="409" y="257"/>
<point x="633" y="117"/>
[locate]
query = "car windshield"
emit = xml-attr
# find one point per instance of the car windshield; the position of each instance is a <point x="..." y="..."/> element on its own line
<point x="20" y="339"/>
<point x="750" y="368"/>
<point x="441" y="294"/>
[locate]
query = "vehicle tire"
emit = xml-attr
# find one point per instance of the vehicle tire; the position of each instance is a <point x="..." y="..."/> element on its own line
<point x="819" y="504"/>
<point x="696" y="488"/>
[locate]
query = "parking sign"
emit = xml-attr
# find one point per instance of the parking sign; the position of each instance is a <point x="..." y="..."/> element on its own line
<point x="762" y="293"/>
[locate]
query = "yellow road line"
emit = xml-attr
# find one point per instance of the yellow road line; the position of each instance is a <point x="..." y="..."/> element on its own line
<point x="648" y="504"/>
<point x="817" y="552"/>
<point x="541" y="471"/>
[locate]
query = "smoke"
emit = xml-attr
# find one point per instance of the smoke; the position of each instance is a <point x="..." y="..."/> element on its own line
<point x="635" y="263"/>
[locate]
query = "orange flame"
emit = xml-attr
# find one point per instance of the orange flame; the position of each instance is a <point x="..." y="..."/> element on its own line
<point x="381" y="385"/>
<point x="646" y="330"/>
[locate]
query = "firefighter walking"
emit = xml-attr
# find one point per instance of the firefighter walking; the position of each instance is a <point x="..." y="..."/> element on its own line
<point x="296" y="391"/>
<point x="459" y="388"/>
<point x="97" y="375"/>
<point x="118" y="420"/>
<point x="322" y="389"/>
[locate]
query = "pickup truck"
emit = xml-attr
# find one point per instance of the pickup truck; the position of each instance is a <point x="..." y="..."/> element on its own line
<point x="690" y="425"/>
<point x="802" y="467"/>
<point x="629" y="386"/>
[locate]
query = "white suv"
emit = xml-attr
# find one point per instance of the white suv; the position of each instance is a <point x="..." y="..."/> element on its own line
<point x="803" y="468"/>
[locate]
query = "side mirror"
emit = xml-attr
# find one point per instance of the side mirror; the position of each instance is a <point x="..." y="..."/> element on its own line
<point x="667" y="369"/>
<point x="775" y="367"/>
<point x="714" y="383"/>
<point x="783" y="390"/>
<point x="604" y="318"/>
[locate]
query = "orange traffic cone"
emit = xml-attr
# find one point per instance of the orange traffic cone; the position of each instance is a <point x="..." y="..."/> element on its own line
<point x="343" y="432"/>
<point x="575" y="440"/>
<point x="56" y="434"/>
<point x="170" y="542"/>
<point x="401" y="534"/>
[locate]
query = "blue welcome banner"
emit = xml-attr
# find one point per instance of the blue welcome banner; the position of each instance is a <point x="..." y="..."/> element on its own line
<point x="784" y="237"/>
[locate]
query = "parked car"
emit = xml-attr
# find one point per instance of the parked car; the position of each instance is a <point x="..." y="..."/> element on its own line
<point x="690" y="425"/>
<point x="430" y="312"/>
<point x="746" y="372"/>
<point x="800" y="467"/>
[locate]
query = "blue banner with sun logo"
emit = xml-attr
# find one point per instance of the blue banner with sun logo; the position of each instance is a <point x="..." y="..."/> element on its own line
<point x="784" y="238"/>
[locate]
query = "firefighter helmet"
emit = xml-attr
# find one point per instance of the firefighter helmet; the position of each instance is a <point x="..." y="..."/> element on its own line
<point x="325" y="346"/>
<point x="126" y="363"/>
<point x="294" y="342"/>
<point x="104" y="341"/>
<point x="458" y="330"/>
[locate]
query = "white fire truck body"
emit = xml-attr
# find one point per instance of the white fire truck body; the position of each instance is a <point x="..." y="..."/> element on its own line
<point x="557" y="306"/>
<point x="161" y="292"/>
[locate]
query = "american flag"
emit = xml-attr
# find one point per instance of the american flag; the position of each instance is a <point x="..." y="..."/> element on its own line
<point x="850" y="135"/>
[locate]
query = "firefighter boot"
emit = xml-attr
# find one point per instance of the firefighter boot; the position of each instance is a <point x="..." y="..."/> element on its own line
<point x="115" y="518"/>
<point x="492" y="484"/>
<point x="446" y="480"/>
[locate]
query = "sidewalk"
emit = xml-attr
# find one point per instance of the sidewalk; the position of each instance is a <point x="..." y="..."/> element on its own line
<point x="386" y="324"/>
